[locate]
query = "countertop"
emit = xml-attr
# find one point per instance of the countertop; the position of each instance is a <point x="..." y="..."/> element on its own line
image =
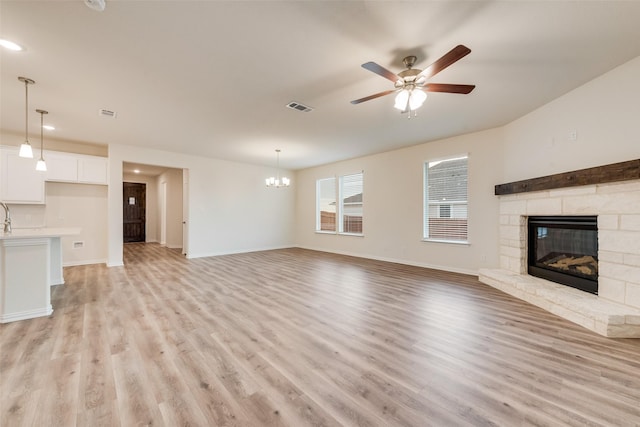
<point x="30" y="233"/>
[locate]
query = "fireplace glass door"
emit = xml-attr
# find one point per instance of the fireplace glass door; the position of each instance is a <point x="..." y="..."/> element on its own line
<point x="564" y="249"/>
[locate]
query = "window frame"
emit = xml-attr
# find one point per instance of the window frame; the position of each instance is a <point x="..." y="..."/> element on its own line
<point x="338" y="201"/>
<point x="318" y="208"/>
<point x="341" y="208"/>
<point x="426" y="204"/>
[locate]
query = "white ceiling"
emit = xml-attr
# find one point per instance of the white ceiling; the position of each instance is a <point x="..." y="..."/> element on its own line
<point x="212" y="78"/>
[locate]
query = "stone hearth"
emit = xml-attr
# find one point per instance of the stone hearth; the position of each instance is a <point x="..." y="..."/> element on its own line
<point x="615" y="311"/>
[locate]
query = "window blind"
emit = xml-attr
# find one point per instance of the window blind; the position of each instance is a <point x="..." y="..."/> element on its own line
<point x="351" y="206"/>
<point x="445" y="199"/>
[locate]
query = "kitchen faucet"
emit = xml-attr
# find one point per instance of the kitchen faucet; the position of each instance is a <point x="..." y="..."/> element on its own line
<point x="7" y="218"/>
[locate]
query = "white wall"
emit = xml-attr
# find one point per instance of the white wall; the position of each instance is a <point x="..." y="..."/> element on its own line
<point x="393" y="197"/>
<point x="230" y="209"/>
<point x="84" y="206"/>
<point x="604" y="113"/>
<point x="172" y="178"/>
<point x="151" y="204"/>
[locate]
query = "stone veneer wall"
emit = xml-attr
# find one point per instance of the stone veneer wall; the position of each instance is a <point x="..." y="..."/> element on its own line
<point x="617" y="206"/>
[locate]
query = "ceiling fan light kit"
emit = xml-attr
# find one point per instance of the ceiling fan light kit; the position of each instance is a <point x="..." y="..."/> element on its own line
<point x="411" y="84"/>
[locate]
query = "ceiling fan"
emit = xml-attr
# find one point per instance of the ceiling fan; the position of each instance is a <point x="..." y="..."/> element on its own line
<point x="411" y="84"/>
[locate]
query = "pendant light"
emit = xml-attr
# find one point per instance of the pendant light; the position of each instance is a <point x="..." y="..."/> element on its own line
<point x="276" y="181"/>
<point x="25" y="148"/>
<point x="41" y="165"/>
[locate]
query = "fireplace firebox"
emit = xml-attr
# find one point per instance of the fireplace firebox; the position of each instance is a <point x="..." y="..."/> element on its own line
<point x="564" y="249"/>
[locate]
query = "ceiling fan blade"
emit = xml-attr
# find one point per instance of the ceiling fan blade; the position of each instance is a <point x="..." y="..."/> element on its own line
<point x="381" y="71"/>
<point x="449" y="88"/>
<point x="374" y="96"/>
<point x="454" y="55"/>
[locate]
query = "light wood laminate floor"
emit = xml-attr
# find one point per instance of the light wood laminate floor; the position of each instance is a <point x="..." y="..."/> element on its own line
<point x="296" y="337"/>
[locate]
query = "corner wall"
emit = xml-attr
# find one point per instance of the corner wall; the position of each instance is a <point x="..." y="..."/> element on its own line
<point x="604" y="114"/>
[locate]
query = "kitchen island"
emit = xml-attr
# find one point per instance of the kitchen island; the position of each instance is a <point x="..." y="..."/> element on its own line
<point x="30" y="263"/>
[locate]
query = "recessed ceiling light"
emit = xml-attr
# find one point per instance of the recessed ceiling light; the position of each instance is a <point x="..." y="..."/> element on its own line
<point x="10" y="45"/>
<point x="48" y="127"/>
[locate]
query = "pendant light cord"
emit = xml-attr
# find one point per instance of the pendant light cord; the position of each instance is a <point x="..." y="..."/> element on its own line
<point x="26" y="110"/>
<point x="41" y="134"/>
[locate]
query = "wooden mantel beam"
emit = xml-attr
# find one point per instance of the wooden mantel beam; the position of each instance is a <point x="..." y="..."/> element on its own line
<point x="623" y="171"/>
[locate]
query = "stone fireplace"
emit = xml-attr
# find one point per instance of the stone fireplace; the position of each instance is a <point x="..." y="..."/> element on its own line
<point x="615" y="310"/>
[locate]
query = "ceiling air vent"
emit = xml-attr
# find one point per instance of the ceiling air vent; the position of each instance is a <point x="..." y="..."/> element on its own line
<point x="300" y="107"/>
<point x="107" y="113"/>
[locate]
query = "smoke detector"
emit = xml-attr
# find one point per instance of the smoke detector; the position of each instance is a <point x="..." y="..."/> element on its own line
<point x="98" y="5"/>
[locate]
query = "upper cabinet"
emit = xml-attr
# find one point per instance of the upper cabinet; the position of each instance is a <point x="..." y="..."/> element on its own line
<point x="21" y="183"/>
<point x="61" y="167"/>
<point x="92" y="170"/>
<point x="79" y="168"/>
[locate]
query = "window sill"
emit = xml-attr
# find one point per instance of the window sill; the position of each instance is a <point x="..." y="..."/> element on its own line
<point x="339" y="234"/>
<point x="453" y="242"/>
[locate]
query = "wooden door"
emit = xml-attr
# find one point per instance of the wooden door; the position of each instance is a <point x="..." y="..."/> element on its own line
<point x="134" y="211"/>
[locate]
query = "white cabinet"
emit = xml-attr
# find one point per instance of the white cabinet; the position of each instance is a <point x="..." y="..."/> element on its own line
<point x="21" y="183"/>
<point x="92" y="170"/>
<point x="61" y="167"/>
<point x="79" y="168"/>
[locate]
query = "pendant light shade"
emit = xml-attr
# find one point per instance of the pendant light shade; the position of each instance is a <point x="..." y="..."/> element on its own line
<point x="277" y="181"/>
<point x="401" y="100"/>
<point x="417" y="99"/>
<point x="41" y="165"/>
<point x="25" y="148"/>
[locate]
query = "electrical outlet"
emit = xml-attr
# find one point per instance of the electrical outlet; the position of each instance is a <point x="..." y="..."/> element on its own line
<point x="573" y="135"/>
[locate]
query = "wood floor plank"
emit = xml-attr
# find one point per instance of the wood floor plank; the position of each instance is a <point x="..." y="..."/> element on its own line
<point x="295" y="337"/>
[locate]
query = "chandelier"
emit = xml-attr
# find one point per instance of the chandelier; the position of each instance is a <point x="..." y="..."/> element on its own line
<point x="277" y="181"/>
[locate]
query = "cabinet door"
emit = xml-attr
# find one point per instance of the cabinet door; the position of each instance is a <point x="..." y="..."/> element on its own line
<point x="21" y="183"/>
<point x="62" y="167"/>
<point x="92" y="170"/>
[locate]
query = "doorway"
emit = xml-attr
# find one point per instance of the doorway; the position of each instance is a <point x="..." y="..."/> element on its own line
<point x="134" y="212"/>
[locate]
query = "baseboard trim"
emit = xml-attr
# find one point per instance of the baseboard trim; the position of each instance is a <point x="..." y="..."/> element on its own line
<point x="28" y="314"/>
<point x="244" y="251"/>
<point x="396" y="261"/>
<point x="84" y="262"/>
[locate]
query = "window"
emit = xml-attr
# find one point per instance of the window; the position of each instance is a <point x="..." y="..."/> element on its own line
<point x="345" y="216"/>
<point x="445" y="200"/>
<point x="351" y="203"/>
<point x="326" y="204"/>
